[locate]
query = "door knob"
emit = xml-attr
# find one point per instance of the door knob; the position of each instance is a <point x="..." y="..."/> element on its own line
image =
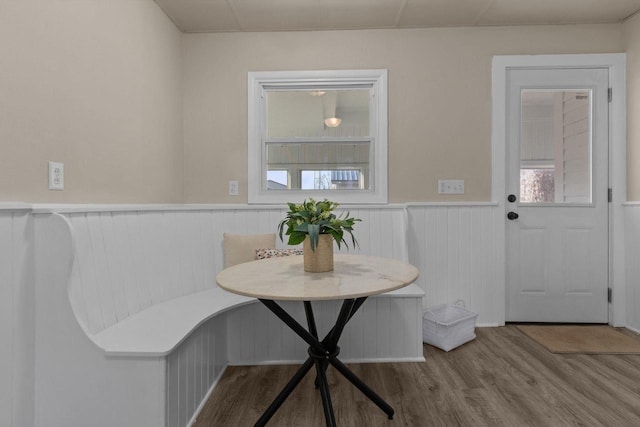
<point x="512" y="216"/>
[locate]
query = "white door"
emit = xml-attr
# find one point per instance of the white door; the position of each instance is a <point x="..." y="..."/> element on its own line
<point x="557" y="197"/>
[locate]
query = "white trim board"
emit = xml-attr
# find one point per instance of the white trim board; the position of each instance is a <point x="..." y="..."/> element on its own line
<point x="14" y="206"/>
<point x="616" y="63"/>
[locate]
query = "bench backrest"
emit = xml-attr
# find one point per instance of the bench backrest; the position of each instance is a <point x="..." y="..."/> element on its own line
<point x="126" y="261"/>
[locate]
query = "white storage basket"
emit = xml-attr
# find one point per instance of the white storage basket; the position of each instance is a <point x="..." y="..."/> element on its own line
<point x="448" y="326"/>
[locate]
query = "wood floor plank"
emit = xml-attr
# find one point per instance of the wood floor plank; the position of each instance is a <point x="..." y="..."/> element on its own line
<point x="503" y="378"/>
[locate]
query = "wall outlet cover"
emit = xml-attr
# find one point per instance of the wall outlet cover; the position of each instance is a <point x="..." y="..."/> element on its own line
<point x="56" y="176"/>
<point x="450" y="186"/>
<point x="233" y="188"/>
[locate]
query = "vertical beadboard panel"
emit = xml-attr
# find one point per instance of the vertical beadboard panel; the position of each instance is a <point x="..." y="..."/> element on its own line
<point x="139" y="296"/>
<point x="193" y="248"/>
<point x="261" y="333"/>
<point x="16" y="319"/>
<point x="382" y="325"/>
<point x="24" y="322"/>
<point x="7" y="326"/>
<point x="184" y="244"/>
<point x="218" y="343"/>
<point x="455" y="249"/>
<point x="173" y="389"/>
<point x="369" y="315"/>
<point x="217" y="231"/>
<point x="257" y="335"/>
<point x="208" y="251"/>
<point x="143" y="249"/>
<point x="201" y="254"/>
<point x="116" y="261"/>
<point x="383" y="329"/>
<point x="454" y="261"/>
<point x="193" y="368"/>
<point x="466" y="236"/>
<point x="127" y="275"/>
<point x="382" y="232"/>
<point x="632" y="254"/>
<point x="161" y="240"/>
<point x="398" y="329"/>
<point x="83" y="290"/>
<point x="352" y="345"/>
<point x="102" y="282"/>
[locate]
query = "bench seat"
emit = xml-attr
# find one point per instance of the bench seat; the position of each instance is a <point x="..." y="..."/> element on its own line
<point x="409" y="291"/>
<point x="157" y="330"/>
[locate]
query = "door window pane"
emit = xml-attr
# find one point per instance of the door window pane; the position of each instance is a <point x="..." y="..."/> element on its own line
<point x="555" y="146"/>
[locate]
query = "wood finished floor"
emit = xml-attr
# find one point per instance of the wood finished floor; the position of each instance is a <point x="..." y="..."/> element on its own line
<point x="503" y="378"/>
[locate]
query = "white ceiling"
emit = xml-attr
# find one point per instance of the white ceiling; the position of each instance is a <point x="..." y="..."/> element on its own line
<point x="290" y="15"/>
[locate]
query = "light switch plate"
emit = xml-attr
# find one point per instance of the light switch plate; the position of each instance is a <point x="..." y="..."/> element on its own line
<point x="56" y="176"/>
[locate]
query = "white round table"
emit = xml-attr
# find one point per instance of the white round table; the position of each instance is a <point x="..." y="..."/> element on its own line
<point x="285" y="279"/>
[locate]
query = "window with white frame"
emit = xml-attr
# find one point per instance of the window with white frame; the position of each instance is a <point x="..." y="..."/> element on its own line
<point x="318" y="134"/>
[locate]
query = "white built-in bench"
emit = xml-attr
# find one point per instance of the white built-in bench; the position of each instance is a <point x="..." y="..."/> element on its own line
<point x="159" y="329"/>
<point x="131" y="328"/>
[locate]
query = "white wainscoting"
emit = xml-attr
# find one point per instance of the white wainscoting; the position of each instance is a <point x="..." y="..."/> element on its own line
<point x="457" y="248"/>
<point x="193" y="370"/>
<point x="459" y="252"/>
<point x="632" y="255"/>
<point x="454" y="247"/>
<point x="16" y="317"/>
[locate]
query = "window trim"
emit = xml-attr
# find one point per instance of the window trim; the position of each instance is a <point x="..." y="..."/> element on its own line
<point x="258" y="81"/>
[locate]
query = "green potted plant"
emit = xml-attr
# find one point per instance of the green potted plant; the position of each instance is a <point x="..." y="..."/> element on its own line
<point x="316" y="226"/>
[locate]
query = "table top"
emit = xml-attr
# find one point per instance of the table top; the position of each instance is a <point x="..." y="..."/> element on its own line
<point x="284" y="278"/>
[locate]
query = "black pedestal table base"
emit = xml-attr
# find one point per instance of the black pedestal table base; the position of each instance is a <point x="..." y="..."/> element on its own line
<point x="321" y="355"/>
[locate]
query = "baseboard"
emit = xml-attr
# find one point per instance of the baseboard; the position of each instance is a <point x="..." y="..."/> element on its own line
<point x="635" y="330"/>
<point x="347" y="360"/>
<point x="384" y="360"/>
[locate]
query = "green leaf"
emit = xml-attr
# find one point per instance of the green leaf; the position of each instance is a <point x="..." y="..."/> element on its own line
<point x="296" y="237"/>
<point x="314" y="235"/>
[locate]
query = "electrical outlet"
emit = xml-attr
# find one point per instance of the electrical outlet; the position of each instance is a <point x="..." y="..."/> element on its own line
<point x="450" y="186"/>
<point x="56" y="176"/>
<point x="233" y="188"/>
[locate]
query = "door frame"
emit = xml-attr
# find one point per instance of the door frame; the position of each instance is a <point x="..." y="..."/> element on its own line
<point x="616" y="63"/>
